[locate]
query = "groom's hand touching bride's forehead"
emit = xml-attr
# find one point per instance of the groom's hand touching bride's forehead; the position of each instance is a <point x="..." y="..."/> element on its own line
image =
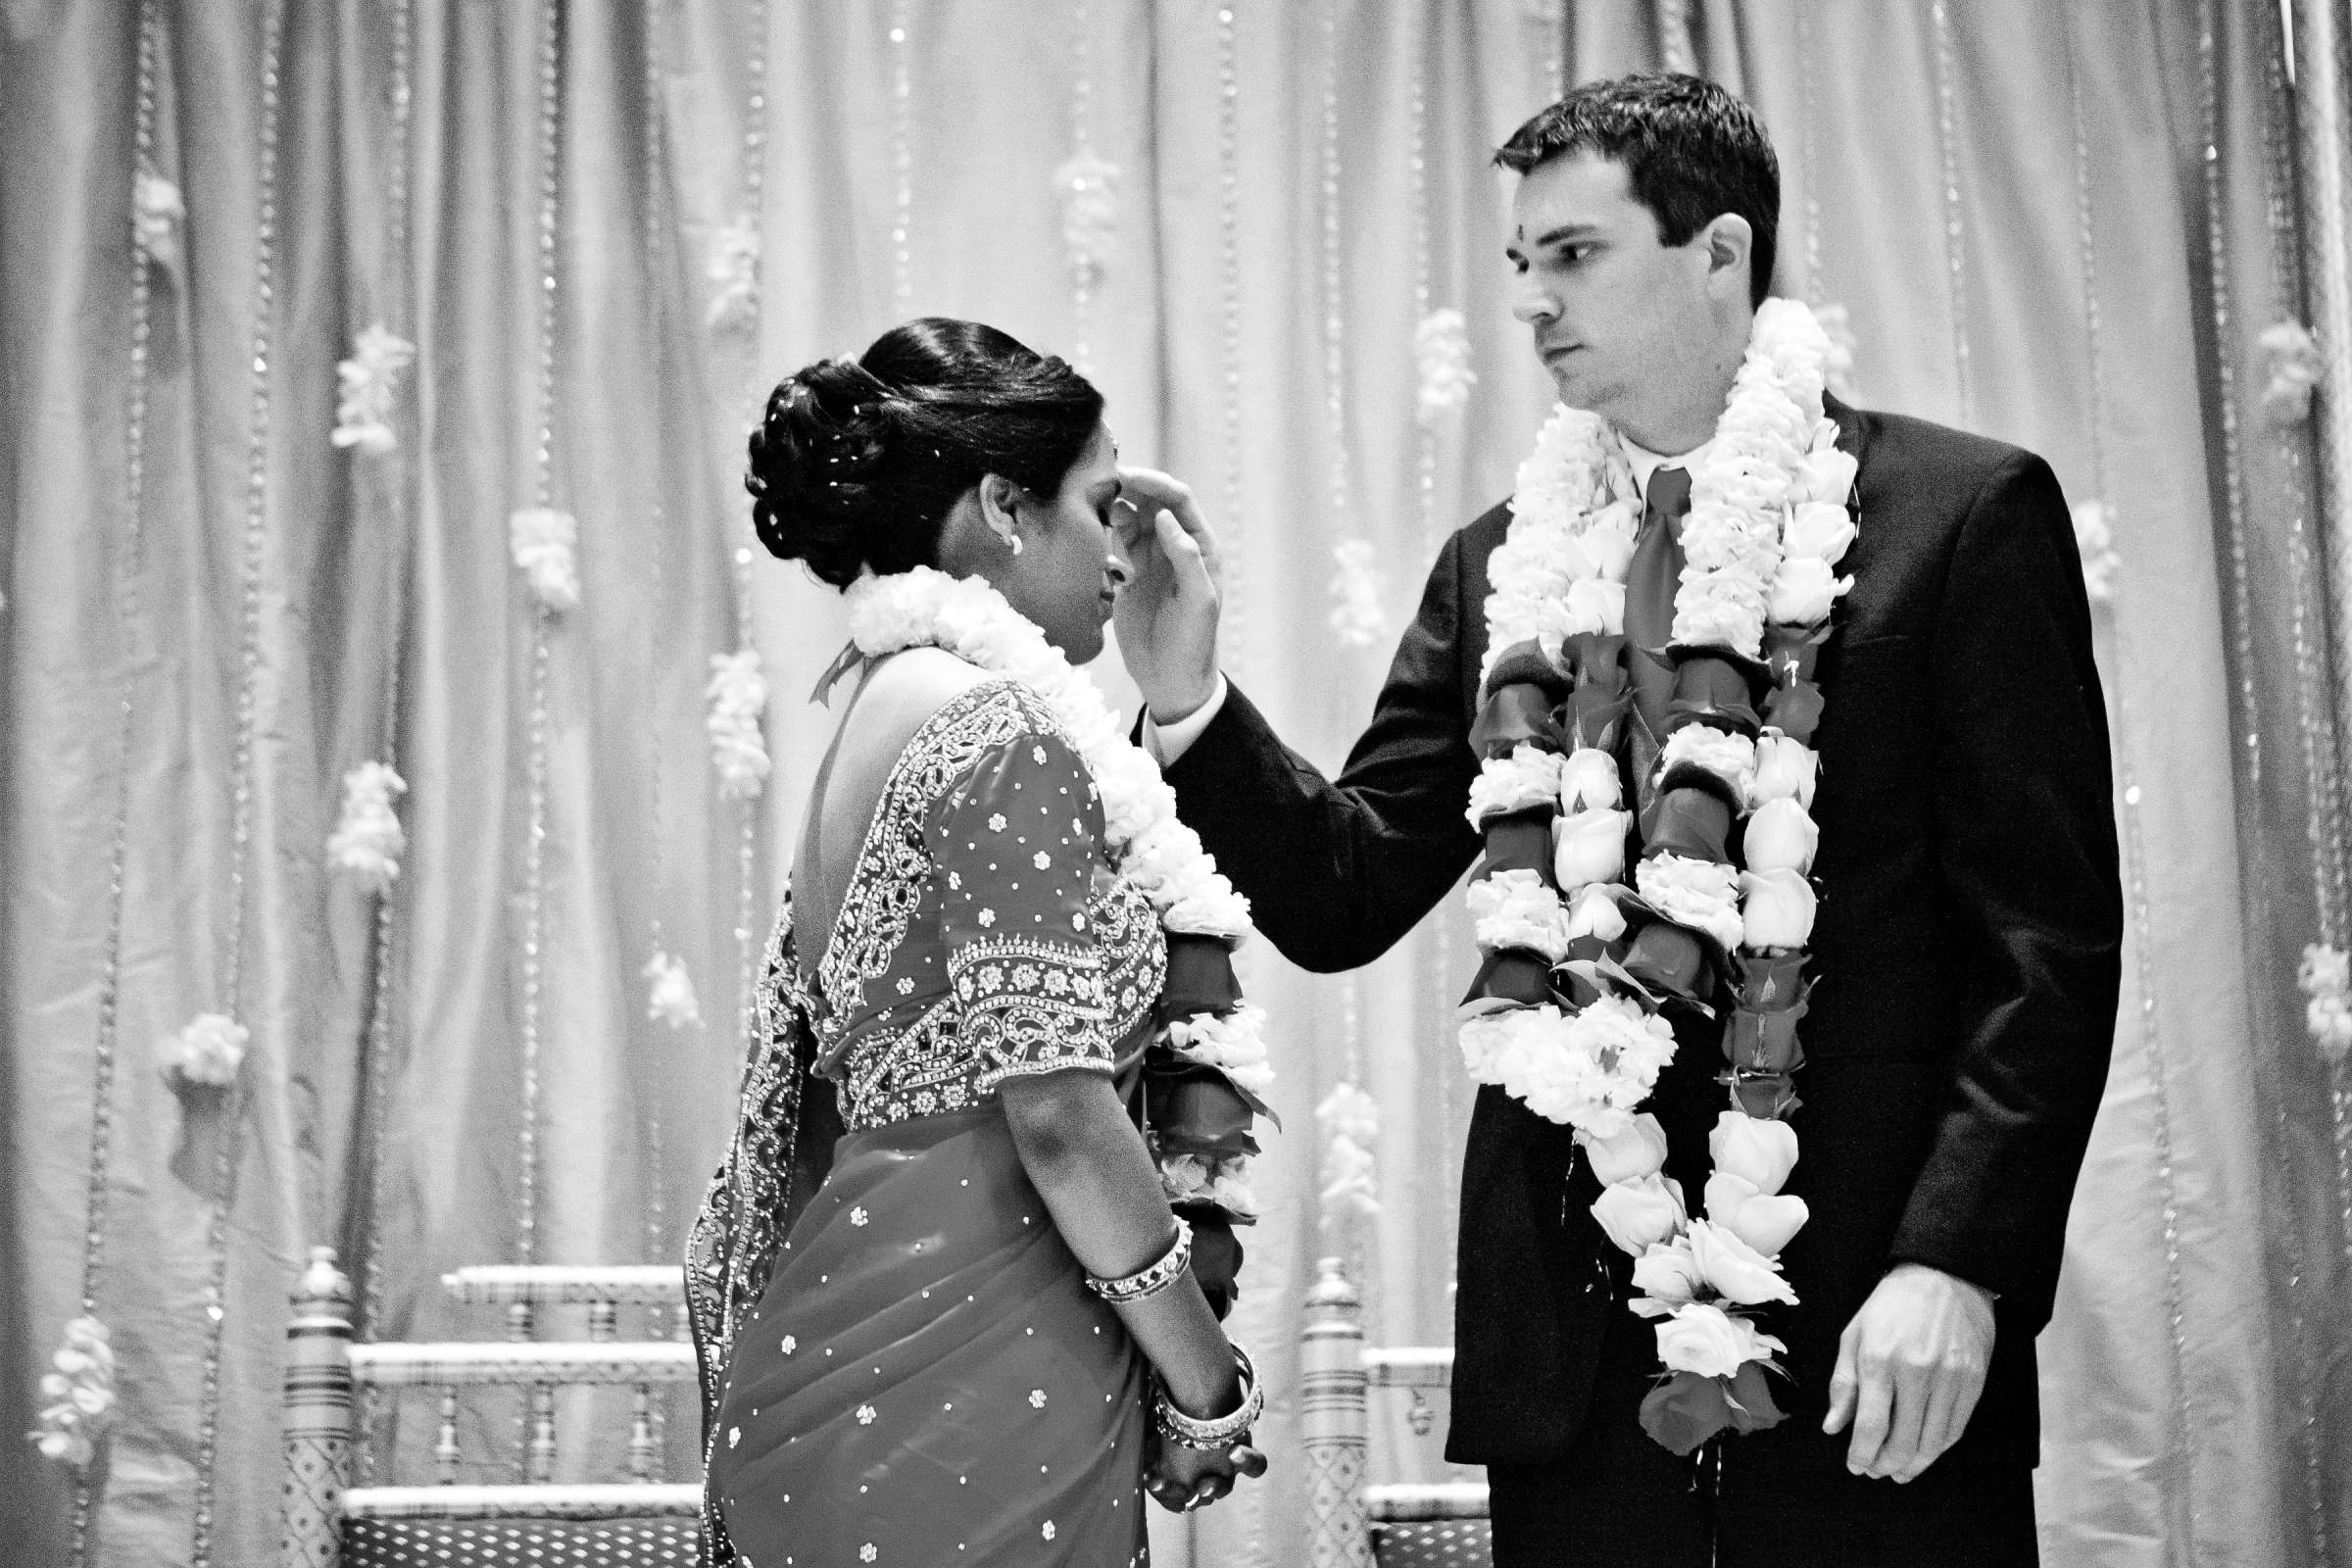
<point x="1167" y="612"/>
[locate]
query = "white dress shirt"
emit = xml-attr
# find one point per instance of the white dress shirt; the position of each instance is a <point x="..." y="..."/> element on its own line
<point x="1169" y="742"/>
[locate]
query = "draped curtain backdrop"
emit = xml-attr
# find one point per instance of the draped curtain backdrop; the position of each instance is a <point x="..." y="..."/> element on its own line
<point x="607" y="228"/>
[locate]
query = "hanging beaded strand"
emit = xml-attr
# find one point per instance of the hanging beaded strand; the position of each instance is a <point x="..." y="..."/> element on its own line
<point x="1955" y="249"/>
<point x="2323" y="785"/>
<point x="1437" y="931"/>
<point x="1081" y="167"/>
<point x="2135" y="852"/>
<point x="754" y="210"/>
<point x="542" y="623"/>
<point x="2323" y="48"/>
<point x="249" y="667"/>
<point x="379" y="1071"/>
<point x="1232" y="532"/>
<point x="128" y="611"/>
<point x="901" y="165"/>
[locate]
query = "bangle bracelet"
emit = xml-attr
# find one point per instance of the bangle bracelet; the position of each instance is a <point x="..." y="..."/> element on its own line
<point x="1222" y="1431"/>
<point x="1152" y="1279"/>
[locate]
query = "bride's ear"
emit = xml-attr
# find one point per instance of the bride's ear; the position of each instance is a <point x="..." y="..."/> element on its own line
<point x="998" y="496"/>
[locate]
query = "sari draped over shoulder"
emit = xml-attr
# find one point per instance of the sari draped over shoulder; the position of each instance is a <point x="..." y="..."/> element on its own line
<point x="901" y="1361"/>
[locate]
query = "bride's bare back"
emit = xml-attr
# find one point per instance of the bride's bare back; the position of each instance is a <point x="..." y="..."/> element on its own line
<point x="892" y="700"/>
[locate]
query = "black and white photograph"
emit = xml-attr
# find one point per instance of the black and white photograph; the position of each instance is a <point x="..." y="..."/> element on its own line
<point x="1176" y="783"/>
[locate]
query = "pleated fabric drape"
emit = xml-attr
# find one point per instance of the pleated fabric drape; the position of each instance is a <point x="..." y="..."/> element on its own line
<point x="607" y="228"/>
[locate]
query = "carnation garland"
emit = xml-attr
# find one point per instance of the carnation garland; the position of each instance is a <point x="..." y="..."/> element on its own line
<point x="1206" y="1074"/>
<point x="1567" y="1011"/>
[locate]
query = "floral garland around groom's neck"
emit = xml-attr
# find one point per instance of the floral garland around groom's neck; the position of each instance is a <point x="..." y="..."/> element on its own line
<point x="1578" y="965"/>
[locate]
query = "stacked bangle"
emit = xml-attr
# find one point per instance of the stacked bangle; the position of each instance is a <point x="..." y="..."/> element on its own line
<point x="1224" y="1431"/>
<point x="1154" y="1279"/>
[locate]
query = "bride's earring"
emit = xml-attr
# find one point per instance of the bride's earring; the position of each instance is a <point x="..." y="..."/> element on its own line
<point x="1014" y="541"/>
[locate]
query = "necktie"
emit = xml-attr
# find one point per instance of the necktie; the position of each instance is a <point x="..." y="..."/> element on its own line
<point x="1650" y="580"/>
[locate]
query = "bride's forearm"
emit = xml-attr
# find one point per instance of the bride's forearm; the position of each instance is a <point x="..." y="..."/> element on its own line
<point x="1089" y="1163"/>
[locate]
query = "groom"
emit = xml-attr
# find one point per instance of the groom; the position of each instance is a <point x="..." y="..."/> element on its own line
<point x="1966" y="954"/>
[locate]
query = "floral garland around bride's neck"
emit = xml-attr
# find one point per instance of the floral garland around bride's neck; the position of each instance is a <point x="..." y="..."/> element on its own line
<point x="1206" y="1072"/>
<point x="1578" y="965"/>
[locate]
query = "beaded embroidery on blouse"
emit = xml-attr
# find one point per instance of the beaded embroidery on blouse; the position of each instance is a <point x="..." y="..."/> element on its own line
<point x="1012" y="1005"/>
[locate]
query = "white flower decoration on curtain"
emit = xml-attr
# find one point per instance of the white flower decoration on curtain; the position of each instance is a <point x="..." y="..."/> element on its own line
<point x="2327" y="979"/>
<point x="207" y="1050"/>
<point x="671" y="999"/>
<point x="1442" y="352"/>
<point x="543" y="541"/>
<point x="738" y="695"/>
<point x="1543" y="9"/>
<point x="79" y="1388"/>
<point x="1356" y="612"/>
<point x="2295" y="368"/>
<point x="1351" y="1119"/>
<point x="367" y="842"/>
<point x="1838" y="366"/>
<point x="157" y="212"/>
<point x="1090" y="212"/>
<point x="371" y="382"/>
<point x="735" y="268"/>
<point x="2096" y="542"/>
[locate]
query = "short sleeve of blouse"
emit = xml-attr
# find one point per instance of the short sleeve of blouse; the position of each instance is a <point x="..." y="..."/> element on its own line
<point x="1014" y="841"/>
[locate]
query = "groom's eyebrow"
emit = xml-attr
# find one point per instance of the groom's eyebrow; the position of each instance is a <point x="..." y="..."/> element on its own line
<point x="1554" y="236"/>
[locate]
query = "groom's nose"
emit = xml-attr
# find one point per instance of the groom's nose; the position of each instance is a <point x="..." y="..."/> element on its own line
<point x="1533" y="301"/>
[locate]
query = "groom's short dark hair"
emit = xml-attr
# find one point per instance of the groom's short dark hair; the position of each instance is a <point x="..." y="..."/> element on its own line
<point x="1692" y="152"/>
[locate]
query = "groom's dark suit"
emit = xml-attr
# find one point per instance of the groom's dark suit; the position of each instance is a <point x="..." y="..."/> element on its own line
<point x="1967" y="950"/>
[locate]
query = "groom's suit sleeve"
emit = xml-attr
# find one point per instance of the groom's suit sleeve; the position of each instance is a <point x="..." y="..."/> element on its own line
<point x="2025" y="835"/>
<point x="1337" y="871"/>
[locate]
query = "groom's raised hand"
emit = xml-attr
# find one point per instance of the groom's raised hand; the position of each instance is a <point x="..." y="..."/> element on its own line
<point x="1167" y="612"/>
<point x="1910" y="1367"/>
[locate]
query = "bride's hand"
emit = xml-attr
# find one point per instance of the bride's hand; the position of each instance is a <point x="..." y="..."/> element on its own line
<point x="1167" y="612"/>
<point x="1182" y="1479"/>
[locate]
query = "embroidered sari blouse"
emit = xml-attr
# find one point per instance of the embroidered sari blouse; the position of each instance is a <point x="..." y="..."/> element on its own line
<point x="984" y="935"/>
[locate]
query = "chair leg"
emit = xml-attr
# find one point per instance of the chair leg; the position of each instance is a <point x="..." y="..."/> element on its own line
<point x="318" y="1416"/>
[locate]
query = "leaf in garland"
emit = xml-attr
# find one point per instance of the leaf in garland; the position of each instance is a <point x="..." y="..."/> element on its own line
<point x="1684" y="1411"/>
<point x="1199" y="1109"/>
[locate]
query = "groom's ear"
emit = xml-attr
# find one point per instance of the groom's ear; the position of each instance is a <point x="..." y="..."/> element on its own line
<point x="1728" y="241"/>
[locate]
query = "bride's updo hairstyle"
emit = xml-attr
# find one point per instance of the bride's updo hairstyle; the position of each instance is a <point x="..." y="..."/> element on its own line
<point x="858" y="462"/>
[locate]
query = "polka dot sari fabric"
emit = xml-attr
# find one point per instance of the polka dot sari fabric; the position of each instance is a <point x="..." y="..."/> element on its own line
<point x="927" y="1379"/>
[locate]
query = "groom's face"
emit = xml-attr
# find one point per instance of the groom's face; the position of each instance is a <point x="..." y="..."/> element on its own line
<point x="1616" y="316"/>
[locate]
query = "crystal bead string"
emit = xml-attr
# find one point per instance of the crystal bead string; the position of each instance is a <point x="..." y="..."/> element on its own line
<point x="380" y="1015"/>
<point x="1335" y="407"/>
<point x="2323" y="785"/>
<point x="2226" y="399"/>
<point x="543" y="486"/>
<point x="1235" y="535"/>
<point x="2134" y="852"/>
<point x="1437" y="929"/>
<point x="128" y="612"/>
<point x="657" y="324"/>
<point x="2308" y="615"/>
<point x="249" y="667"/>
<point x="1675" y="49"/>
<point x="901" y="165"/>
<point x="1082" y="128"/>
<point x="1947" y="142"/>
<point x="1808" y="90"/>
<point x="2323" y="46"/>
<point x="753" y="215"/>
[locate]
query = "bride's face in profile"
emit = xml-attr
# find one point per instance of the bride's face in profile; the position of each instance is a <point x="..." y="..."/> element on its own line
<point x="1068" y="568"/>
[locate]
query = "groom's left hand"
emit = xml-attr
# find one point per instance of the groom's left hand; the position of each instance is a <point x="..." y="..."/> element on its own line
<point x="1910" y="1367"/>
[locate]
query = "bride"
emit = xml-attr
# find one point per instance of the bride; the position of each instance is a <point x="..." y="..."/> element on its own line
<point x="944" y="1309"/>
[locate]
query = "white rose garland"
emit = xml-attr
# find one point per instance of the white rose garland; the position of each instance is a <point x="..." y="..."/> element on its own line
<point x="1147" y="843"/>
<point x="1767" y="526"/>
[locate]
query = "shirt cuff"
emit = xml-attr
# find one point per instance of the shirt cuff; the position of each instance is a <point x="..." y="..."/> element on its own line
<point x="1169" y="742"/>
